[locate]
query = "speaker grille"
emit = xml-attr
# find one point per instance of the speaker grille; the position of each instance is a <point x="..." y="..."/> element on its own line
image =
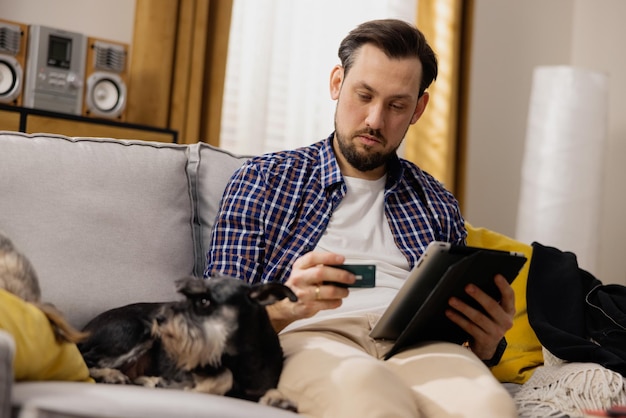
<point x="109" y="57"/>
<point x="8" y="79"/>
<point x="10" y="37"/>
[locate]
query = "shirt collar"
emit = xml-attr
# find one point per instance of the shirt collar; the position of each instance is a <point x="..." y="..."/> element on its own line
<point x="329" y="165"/>
<point x="395" y="171"/>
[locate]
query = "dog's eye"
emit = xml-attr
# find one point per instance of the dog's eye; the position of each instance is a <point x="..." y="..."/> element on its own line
<point x="203" y="302"/>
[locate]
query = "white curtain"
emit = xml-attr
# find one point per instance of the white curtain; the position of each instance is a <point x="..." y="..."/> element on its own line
<point x="281" y="52"/>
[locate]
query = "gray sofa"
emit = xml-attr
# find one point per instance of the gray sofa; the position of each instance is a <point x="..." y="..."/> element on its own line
<point x="109" y="222"/>
<point x="105" y="223"/>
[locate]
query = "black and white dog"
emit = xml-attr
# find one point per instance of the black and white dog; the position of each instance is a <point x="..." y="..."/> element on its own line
<point x="217" y="340"/>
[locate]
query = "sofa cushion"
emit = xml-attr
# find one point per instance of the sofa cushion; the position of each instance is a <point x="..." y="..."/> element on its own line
<point x="7" y="352"/>
<point x="524" y="352"/>
<point x="105" y="222"/>
<point x="38" y="356"/>
<point x="70" y="399"/>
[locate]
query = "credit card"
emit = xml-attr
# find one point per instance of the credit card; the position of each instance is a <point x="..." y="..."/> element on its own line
<point x="365" y="275"/>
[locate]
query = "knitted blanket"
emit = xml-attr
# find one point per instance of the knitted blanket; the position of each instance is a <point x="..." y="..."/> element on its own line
<point x="562" y="389"/>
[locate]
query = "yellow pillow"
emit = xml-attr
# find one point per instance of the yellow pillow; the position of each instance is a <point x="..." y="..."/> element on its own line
<point x="523" y="353"/>
<point x="38" y="356"/>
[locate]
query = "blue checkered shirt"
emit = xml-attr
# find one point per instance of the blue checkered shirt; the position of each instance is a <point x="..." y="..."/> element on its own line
<point x="277" y="206"/>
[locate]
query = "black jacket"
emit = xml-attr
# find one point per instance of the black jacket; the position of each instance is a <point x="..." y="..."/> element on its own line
<point x="574" y="315"/>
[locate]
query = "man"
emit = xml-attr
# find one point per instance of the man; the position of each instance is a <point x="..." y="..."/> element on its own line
<point x="291" y="216"/>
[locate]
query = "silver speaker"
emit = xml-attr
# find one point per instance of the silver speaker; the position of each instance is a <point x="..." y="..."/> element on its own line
<point x="105" y="85"/>
<point x="12" y="60"/>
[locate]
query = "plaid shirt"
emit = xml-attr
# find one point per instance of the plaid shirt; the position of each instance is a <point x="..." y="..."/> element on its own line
<point x="277" y="206"/>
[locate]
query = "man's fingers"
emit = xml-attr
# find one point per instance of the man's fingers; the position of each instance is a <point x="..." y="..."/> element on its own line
<point x="508" y="295"/>
<point x="315" y="258"/>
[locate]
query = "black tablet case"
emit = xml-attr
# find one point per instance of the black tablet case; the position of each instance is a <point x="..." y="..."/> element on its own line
<point x="467" y="265"/>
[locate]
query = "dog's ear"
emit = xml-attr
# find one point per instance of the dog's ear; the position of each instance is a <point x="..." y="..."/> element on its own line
<point x="269" y="293"/>
<point x="189" y="286"/>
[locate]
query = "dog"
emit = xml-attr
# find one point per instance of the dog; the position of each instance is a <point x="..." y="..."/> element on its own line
<point x="217" y="340"/>
<point x="18" y="276"/>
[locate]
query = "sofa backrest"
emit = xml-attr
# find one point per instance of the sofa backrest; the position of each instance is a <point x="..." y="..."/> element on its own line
<point x="108" y="222"/>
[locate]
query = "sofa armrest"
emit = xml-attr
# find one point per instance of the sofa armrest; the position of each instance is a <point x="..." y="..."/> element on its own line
<point x="7" y="351"/>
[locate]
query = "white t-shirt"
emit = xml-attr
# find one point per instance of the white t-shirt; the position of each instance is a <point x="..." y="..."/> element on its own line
<point x="358" y="229"/>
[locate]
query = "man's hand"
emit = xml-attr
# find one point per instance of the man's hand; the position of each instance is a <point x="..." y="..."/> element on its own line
<point x="306" y="280"/>
<point x="486" y="330"/>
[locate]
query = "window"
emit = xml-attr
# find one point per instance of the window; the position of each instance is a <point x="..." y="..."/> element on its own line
<point x="281" y="52"/>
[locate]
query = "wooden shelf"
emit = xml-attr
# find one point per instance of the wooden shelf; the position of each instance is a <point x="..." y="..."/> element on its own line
<point x="14" y="118"/>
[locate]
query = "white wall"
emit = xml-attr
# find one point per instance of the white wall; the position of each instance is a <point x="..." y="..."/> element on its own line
<point x="112" y="20"/>
<point x="598" y="44"/>
<point x="511" y="37"/>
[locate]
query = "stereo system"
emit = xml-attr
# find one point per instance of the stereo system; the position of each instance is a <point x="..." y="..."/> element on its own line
<point x="55" y="70"/>
<point x="61" y="71"/>
<point x="13" y="37"/>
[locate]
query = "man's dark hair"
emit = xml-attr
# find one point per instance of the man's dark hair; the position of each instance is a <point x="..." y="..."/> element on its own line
<point x="397" y="39"/>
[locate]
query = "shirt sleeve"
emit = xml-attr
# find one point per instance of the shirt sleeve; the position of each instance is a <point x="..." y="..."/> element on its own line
<point x="447" y="212"/>
<point x="237" y="239"/>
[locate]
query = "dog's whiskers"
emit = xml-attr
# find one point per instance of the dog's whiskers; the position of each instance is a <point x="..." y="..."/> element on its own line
<point x="195" y="343"/>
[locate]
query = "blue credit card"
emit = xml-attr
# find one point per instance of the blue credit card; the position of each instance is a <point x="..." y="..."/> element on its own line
<point x="365" y="275"/>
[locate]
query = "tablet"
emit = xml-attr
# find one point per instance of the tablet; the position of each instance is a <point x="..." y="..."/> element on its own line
<point x="417" y="313"/>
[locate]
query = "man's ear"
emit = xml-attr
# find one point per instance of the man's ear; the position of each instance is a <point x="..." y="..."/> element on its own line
<point x="336" y="80"/>
<point x="421" y="106"/>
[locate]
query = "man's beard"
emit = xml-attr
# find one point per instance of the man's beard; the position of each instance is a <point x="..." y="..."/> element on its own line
<point x="363" y="161"/>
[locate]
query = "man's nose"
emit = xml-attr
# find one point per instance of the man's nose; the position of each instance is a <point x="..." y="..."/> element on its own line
<point x="375" y="116"/>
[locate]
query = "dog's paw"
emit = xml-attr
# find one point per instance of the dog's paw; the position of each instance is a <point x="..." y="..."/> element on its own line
<point x="275" y="398"/>
<point x="108" y="375"/>
<point x="149" y="381"/>
<point x="216" y="385"/>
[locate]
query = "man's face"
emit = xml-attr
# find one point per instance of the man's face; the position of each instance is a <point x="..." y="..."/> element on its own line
<point x="376" y="102"/>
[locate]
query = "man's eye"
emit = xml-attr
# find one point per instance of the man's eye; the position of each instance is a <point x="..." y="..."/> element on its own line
<point x="364" y="97"/>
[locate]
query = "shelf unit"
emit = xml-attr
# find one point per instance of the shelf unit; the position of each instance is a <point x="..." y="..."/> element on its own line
<point x="21" y="119"/>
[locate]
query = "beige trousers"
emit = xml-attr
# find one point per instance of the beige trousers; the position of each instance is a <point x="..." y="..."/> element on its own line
<point x="333" y="369"/>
